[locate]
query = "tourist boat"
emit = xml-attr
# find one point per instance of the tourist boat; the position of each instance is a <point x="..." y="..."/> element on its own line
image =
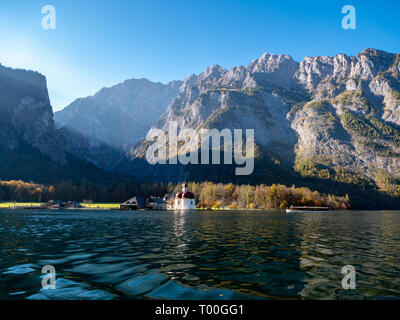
<point x="293" y="209"/>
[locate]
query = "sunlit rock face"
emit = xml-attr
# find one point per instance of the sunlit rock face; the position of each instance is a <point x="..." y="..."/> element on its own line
<point x="340" y="112"/>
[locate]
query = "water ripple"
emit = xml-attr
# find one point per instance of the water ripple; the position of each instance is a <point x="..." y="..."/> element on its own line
<point x="199" y="255"/>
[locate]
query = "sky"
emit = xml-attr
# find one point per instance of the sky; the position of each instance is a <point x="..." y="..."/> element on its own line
<point x="101" y="43"/>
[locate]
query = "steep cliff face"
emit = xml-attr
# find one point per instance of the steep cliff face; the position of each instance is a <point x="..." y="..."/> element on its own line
<point x="335" y="118"/>
<point x="30" y="145"/>
<point x="121" y="115"/>
<point x="351" y="121"/>
<point x="25" y="111"/>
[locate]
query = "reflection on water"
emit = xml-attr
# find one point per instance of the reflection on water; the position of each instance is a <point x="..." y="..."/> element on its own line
<point x="199" y="255"/>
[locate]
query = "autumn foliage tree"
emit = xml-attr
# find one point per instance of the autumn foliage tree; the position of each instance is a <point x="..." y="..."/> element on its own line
<point x="207" y="194"/>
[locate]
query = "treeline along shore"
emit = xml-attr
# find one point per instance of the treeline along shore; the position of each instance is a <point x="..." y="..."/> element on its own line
<point x="207" y="194"/>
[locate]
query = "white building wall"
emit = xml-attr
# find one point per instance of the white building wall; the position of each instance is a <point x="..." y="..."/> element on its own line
<point x="185" y="204"/>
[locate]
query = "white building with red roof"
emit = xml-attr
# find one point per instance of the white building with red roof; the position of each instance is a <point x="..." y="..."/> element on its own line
<point x="184" y="200"/>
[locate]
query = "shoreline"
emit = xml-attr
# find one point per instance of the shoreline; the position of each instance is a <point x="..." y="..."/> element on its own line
<point x="3" y="208"/>
<point x="116" y="207"/>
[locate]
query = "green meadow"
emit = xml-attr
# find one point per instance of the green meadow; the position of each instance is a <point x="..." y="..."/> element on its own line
<point x="101" y="205"/>
<point x="104" y="206"/>
<point x="5" y="205"/>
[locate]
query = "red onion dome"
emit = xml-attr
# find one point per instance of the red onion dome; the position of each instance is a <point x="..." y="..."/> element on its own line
<point x="188" y="195"/>
<point x="179" y="195"/>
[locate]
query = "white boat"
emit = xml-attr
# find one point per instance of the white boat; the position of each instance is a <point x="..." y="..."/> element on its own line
<point x="305" y="209"/>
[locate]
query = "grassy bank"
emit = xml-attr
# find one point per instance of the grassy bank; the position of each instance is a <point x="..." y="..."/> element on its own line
<point x="101" y="205"/>
<point x="105" y="206"/>
<point x="6" y="205"/>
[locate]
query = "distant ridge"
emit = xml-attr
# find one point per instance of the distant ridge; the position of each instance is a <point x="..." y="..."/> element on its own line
<point x="120" y="115"/>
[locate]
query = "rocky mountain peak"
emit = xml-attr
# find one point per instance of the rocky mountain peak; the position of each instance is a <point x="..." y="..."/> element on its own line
<point x="189" y="82"/>
<point x="373" y="52"/>
<point x="272" y="68"/>
<point x="378" y="60"/>
<point x="238" y="77"/>
<point x="120" y="115"/>
<point x="18" y="82"/>
<point x="24" y="103"/>
<point x="174" y="84"/>
<point x="212" y="74"/>
<point x="270" y="63"/>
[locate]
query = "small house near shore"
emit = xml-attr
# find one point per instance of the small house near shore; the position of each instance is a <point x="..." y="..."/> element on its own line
<point x="134" y="203"/>
<point x="169" y="198"/>
<point x="155" y="203"/>
<point x="183" y="200"/>
<point x="54" y="204"/>
<point x="58" y="204"/>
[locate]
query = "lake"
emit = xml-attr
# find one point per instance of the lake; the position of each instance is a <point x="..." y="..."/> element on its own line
<point x="199" y="255"/>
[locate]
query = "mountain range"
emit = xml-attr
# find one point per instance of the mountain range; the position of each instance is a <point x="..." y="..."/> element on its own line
<point x="333" y="118"/>
<point x="119" y="116"/>
<point x="329" y="122"/>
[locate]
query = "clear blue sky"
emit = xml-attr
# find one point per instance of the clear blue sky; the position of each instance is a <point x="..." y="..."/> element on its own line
<point x="99" y="43"/>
